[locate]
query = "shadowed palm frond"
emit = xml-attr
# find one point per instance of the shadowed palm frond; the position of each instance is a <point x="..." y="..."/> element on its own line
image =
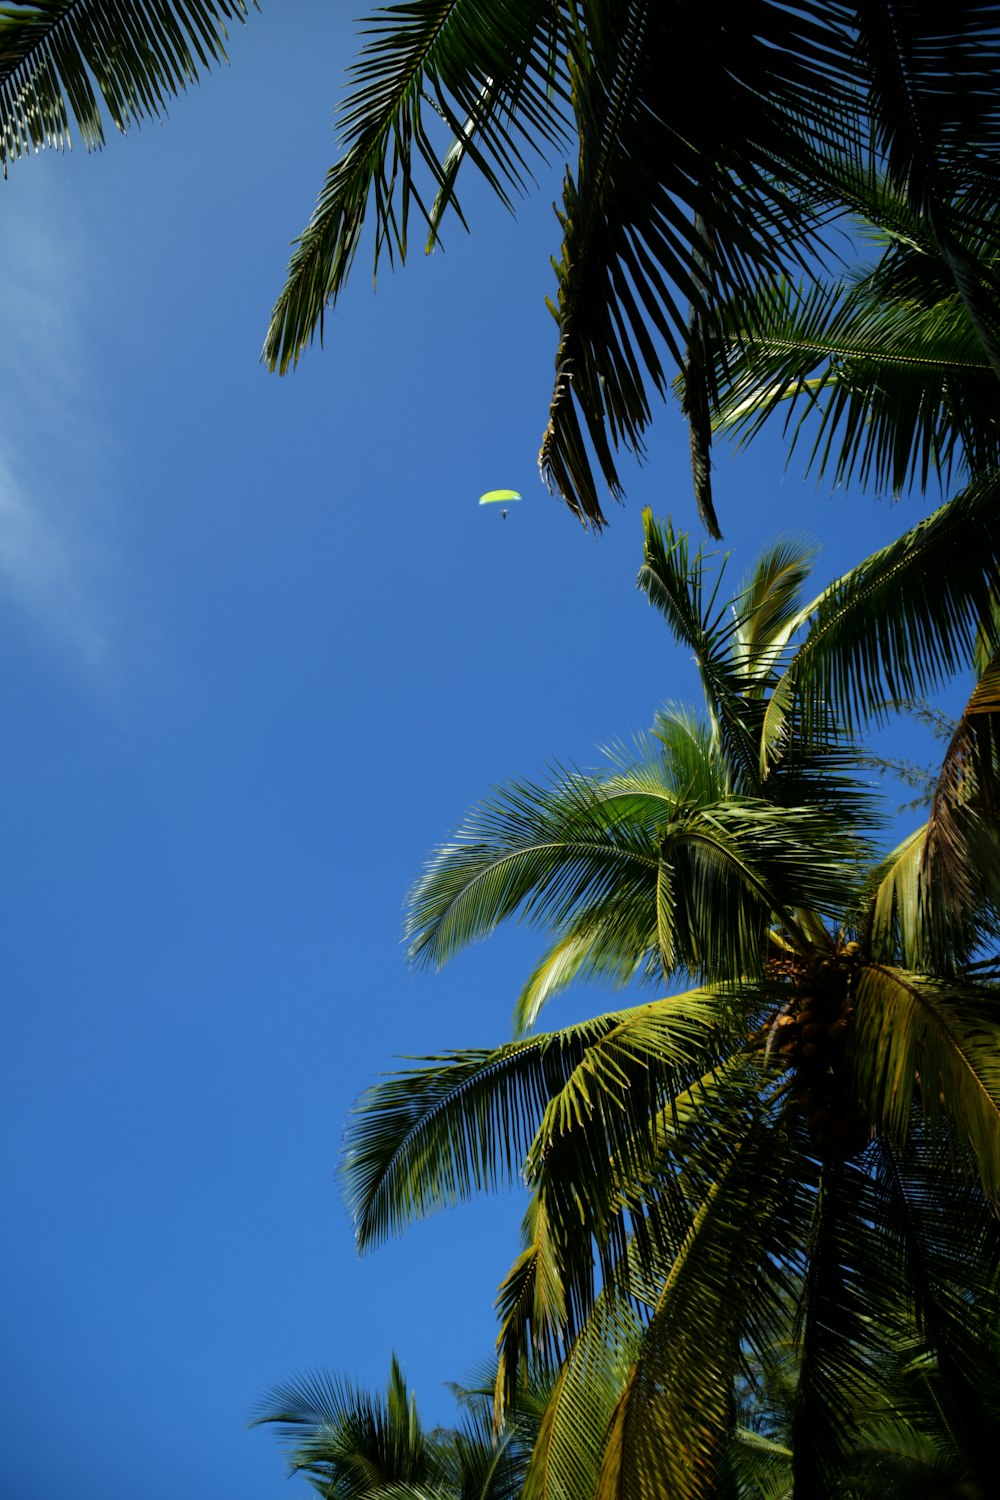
<point x="490" y="79"/>
<point x="63" y="61"/>
<point x="893" y="393"/>
<point x="942" y="1237"/>
<point x="567" y="1455"/>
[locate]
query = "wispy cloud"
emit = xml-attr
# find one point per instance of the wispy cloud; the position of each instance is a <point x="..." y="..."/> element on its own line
<point x="53" y="566"/>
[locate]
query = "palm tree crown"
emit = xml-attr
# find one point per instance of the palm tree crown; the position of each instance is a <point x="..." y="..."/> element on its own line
<point x="800" y="1153"/>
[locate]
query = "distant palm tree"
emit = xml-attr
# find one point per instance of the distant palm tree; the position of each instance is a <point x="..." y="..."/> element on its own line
<point x="353" y="1445"/>
<point x="808" y="1139"/>
<point x="709" y="145"/>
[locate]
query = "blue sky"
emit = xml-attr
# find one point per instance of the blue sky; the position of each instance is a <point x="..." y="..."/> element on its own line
<point x="260" y="650"/>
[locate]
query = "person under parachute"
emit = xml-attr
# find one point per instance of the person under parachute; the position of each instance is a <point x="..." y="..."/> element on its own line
<point x="497" y="497"/>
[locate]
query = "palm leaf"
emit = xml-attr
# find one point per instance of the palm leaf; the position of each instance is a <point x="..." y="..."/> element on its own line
<point x="933" y="138"/>
<point x="567" y="1455"/>
<point x="490" y="78"/>
<point x="667" y="208"/>
<point x="666" y="1431"/>
<point x="943" y="1239"/>
<point x="917" y="1040"/>
<point x="61" y="60"/>
<point x="962" y="860"/>
<point x="897" y="625"/>
<point x="432" y="1136"/>
<point x="895" y="392"/>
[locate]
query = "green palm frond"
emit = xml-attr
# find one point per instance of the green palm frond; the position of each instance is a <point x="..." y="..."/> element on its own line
<point x="768" y="605"/>
<point x="489" y="78"/>
<point x="654" y="164"/>
<point x="62" y="60"/>
<point x="532" y="1306"/>
<point x="667" y="209"/>
<point x="350" y="1443"/>
<point x="432" y="1136"/>
<point x="901" y="925"/>
<point x="567" y="1455"/>
<point x="355" y="1445"/>
<point x="899" y="624"/>
<point x="922" y="125"/>
<point x="942" y="1238"/>
<point x="934" y="139"/>
<point x="918" y="1040"/>
<point x="675" y="583"/>
<point x="963" y="858"/>
<point x="575" y="956"/>
<point x="740" y="648"/>
<point x="690" y="754"/>
<point x="622" y="864"/>
<point x="545" y="850"/>
<point x="481" y="1464"/>
<point x="892" y="391"/>
<point x="893" y="1457"/>
<point x="753" y="1468"/>
<point x="847" y="1327"/>
<point x="674" y="1411"/>
<point x="931" y="910"/>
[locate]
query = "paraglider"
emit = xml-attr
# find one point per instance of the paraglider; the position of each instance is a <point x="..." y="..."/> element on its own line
<point x="497" y="497"/>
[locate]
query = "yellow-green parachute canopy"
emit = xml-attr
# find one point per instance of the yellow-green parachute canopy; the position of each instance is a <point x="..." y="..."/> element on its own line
<point x="493" y="496"/>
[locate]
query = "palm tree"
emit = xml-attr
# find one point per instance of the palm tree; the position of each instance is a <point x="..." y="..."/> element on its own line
<point x="61" y="60"/>
<point x="353" y="1445"/>
<point x="803" y="1146"/>
<point x="710" y="145"/>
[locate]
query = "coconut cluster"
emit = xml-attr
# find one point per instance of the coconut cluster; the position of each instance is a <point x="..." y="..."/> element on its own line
<point x="812" y="1036"/>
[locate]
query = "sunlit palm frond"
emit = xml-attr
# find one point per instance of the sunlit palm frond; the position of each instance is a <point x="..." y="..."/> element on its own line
<point x="64" y="61"/>
<point x="768" y="605"/>
<point x="962" y="863"/>
<point x="674" y="1412"/>
<point x="430" y="1137"/>
<point x="567" y="1455"/>
<point x="900" y="623"/>
<point x="435" y="1134"/>
<point x="544" y="850"/>
<point x="932" y="911"/>
<point x="901" y="924"/>
<point x="924" y="1041"/>
<point x="740" y="647"/>
<point x="630" y="879"/>
<point x="533" y="1308"/>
